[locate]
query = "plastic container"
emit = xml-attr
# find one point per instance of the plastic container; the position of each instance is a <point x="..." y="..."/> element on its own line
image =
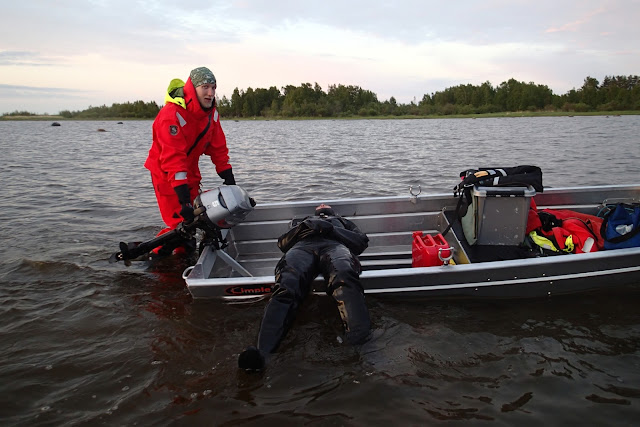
<point x="501" y="214"/>
<point x="425" y="249"/>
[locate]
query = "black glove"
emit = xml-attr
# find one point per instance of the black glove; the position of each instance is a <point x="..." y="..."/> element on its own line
<point x="227" y="176"/>
<point x="187" y="213"/>
<point x="182" y="191"/>
<point x="320" y="226"/>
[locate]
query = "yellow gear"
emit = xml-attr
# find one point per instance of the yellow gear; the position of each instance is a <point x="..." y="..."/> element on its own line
<point x="175" y="93"/>
<point x="543" y="242"/>
<point x="568" y="244"/>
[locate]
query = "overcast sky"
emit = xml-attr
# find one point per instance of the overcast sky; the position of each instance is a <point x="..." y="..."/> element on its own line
<point x="72" y="54"/>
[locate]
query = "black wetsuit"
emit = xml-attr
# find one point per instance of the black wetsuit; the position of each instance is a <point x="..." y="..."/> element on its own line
<point x="318" y="245"/>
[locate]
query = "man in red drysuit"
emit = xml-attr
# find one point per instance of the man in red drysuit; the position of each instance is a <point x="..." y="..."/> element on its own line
<point x="187" y="127"/>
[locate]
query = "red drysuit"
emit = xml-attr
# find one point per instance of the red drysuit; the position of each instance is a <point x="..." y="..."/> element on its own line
<point x="182" y="132"/>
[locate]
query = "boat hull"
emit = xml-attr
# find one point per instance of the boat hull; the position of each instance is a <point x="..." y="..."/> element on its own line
<point x="245" y="270"/>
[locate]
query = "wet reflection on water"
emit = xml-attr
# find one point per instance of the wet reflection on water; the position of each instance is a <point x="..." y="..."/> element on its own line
<point x="86" y="342"/>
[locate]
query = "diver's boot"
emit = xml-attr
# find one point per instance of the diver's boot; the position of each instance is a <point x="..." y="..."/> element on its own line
<point x="251" y="360"/>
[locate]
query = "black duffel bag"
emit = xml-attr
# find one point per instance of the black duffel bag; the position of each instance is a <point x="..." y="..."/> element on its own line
<point x="518" y="176"/>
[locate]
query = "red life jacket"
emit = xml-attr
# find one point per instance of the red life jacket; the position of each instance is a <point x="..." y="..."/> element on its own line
<point x="570" y="231"/>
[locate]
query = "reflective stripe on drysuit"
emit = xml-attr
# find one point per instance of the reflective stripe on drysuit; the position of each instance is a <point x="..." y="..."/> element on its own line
<point x="182" y="132"/>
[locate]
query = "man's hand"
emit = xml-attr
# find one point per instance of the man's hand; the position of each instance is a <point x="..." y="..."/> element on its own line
<point x="320" y="226"/>
<point x="227" y="176"/>
<point x="186" y="212"/>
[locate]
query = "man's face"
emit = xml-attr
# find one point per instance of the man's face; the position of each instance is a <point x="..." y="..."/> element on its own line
<point x="206" y="95"/>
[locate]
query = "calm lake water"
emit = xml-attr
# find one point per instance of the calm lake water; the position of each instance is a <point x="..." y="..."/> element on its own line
<point x="84" y="342"/>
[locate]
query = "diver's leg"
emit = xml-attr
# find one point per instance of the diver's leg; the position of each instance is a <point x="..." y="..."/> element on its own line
<point x="341" y="270"/>
<point x="294" y="274"/>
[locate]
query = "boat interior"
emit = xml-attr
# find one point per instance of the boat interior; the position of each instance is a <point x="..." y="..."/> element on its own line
<point x="390" y="223"/>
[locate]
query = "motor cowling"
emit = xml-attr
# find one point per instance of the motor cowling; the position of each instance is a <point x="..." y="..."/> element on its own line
<point x="224" y="206"/>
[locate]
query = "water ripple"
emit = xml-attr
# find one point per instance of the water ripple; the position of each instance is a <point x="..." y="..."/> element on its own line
<point x="84" y="342"/>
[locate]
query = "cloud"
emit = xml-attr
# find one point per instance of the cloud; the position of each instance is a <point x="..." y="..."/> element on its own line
<point x="122" y="50"/>
<point x="579" y="23"/>
<point x="37" y="99"/>
<point x="16" y="91"/>
<point x="24" y="58"/>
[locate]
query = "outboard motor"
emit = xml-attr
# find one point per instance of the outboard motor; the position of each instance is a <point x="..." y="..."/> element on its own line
<point x="221" y="207"/>
<point x="224" y="206"/>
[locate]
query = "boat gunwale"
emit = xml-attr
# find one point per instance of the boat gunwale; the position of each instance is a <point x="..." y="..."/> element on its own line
<point x="560" y="267"/>
<point x="344" y="201"/>
<point x="459" y="269"/>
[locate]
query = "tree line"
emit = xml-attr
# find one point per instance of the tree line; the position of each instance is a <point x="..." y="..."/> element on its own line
<point x="615" y="93"/>
<point x="128" y="110"/>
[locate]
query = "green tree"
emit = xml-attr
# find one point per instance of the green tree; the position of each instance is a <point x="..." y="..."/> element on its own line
<point x="589" y="93"/>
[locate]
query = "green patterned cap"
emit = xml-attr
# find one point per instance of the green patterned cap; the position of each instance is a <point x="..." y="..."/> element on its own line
<point x="202" y="75"/>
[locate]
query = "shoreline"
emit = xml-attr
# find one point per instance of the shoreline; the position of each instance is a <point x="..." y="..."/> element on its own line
<point x="403" y="117"/>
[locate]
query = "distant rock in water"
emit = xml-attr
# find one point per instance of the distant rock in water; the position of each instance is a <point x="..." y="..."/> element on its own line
<point x="119" y="123"/>
<point x="55" y="124"/>
<point x="101" y="130"/>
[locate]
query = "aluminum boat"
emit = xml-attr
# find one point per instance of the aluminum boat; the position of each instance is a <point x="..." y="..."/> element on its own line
<point x="244" y="269"/>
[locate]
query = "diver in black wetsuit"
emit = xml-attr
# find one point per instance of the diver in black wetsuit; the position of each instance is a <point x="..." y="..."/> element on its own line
<point x="326" y="244"/>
